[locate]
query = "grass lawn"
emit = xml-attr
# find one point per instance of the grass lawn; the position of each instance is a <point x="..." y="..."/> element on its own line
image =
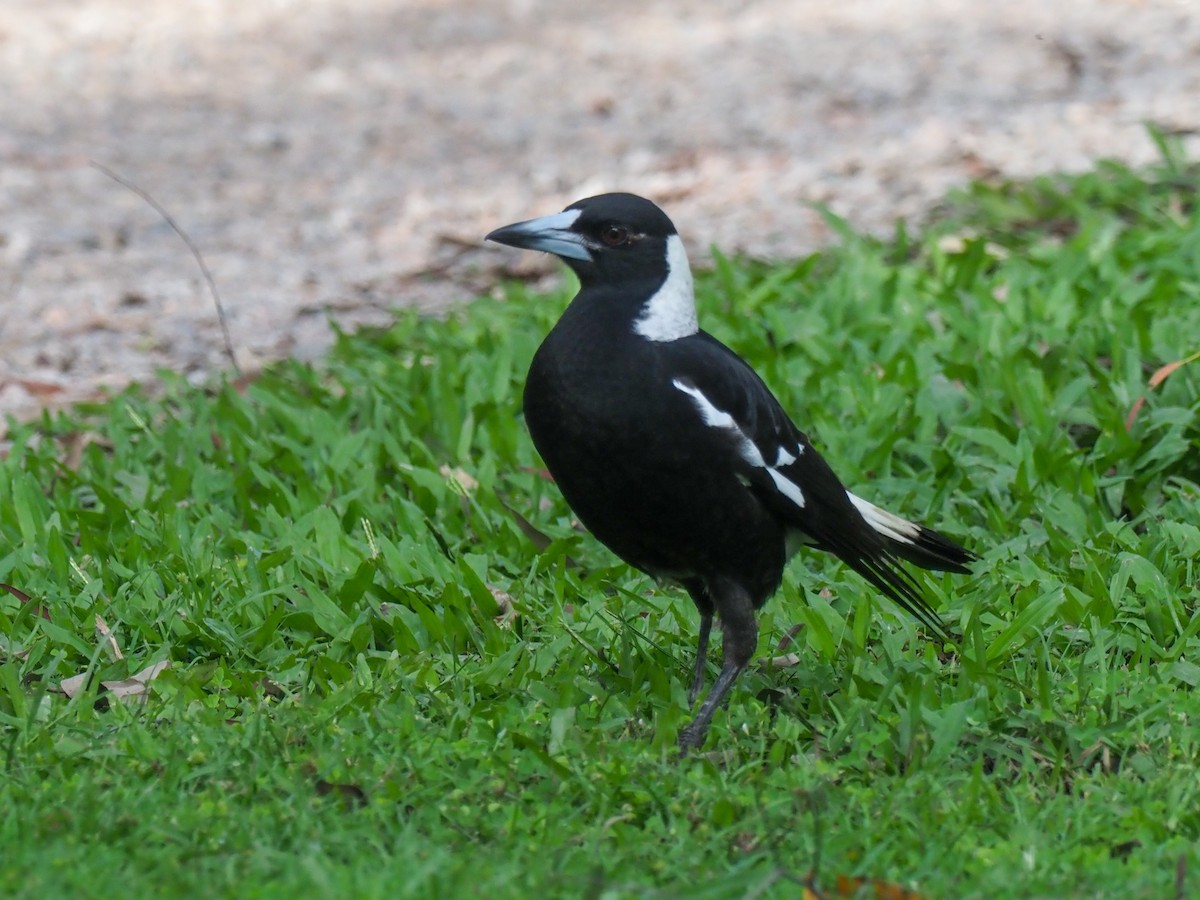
<point x="318" y="555"/>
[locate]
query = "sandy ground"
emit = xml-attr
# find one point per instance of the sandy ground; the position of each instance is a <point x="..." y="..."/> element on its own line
<point x="338" y="158"/>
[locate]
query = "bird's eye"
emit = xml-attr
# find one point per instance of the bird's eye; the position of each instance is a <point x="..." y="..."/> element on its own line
<point x="614" y="235"/>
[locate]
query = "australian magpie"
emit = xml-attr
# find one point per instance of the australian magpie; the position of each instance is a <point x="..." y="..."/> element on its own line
<point x="675" y="454"/>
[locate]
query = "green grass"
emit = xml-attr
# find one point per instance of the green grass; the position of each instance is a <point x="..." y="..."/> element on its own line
<point x="315" y="555"/>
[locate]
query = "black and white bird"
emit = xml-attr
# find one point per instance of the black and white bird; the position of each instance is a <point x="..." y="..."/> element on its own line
<point x="675" y="454"/>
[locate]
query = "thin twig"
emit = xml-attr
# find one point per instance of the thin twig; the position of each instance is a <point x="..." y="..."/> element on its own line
<point x="212" y="285"/>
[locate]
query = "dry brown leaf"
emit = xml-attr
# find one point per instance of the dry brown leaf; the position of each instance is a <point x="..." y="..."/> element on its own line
<point x="73" y="685"/>
<point x="540" y="539"/>
<point x="1164" y="371"/>
<point x="243" y="381"/>
<point x="1133" y="411"/>
<point x="39" y="389"/>
<point x="851" y="886"/>
<point x="789" y="636"/>
<point x="460" y="479"/>
<point x="104" y="633"/>
<point x="135" y="685"/>
<point x="783" y="661"/>
<point x="507" y="611"/>
<point x="76" y="442"/>
<point x="25" y="598"/>
<point x="1160" y="375"/>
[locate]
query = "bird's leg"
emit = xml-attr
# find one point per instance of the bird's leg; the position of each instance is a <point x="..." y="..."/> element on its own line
<point x="699" y="594"/>
<point x="736" y="612"/>
<point x="706" y="620"/>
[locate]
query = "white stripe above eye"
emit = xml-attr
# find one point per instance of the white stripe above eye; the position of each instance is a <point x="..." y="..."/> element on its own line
<point x="670" y="314"/>
<point x="888" y="524"/>
<point x="747" y="449"/>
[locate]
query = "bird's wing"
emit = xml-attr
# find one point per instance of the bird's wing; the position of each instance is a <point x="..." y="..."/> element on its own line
<point x="779" y="464"/>
<point x="777" y="458"/>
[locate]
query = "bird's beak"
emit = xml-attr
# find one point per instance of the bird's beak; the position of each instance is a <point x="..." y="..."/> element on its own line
<point x="550" y="234"/>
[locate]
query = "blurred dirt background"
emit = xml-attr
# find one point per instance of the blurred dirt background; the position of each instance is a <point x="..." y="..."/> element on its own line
<point x="339" y="158"/>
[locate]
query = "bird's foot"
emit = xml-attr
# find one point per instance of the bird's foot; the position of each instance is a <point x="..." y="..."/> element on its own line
<point x="691" y="737"/>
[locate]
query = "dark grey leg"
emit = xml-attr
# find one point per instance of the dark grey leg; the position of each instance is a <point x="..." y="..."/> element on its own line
<point x="699" y="594"/>
<point x="736" y="612"/>
<point x="706" y="621"/>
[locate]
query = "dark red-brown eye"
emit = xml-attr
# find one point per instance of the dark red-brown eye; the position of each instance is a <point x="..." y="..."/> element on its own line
<point x="614" y="235"/>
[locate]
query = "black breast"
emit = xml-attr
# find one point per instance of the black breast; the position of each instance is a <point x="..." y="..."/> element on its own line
<point x="632" y="458"/>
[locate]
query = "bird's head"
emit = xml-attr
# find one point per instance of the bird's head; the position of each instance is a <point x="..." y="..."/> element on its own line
<point x="622" y="242"/>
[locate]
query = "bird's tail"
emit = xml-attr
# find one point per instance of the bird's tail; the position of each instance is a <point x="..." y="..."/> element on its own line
<point x="915" y="543"/>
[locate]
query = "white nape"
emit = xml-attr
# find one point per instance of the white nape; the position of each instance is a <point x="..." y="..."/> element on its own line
<point x="888" y="524"/>
<point x="747" y="449"/>
<point x="671" y="313"/>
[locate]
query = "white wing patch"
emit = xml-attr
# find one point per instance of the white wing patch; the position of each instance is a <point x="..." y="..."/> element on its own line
<point x="718" y="418"/>
<point x="671" y="313"/>
<point x="788" y="488"/>
<point x="888" y="524"/>
<point x="747" y="449"/>
<point x="786" y="459"/>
